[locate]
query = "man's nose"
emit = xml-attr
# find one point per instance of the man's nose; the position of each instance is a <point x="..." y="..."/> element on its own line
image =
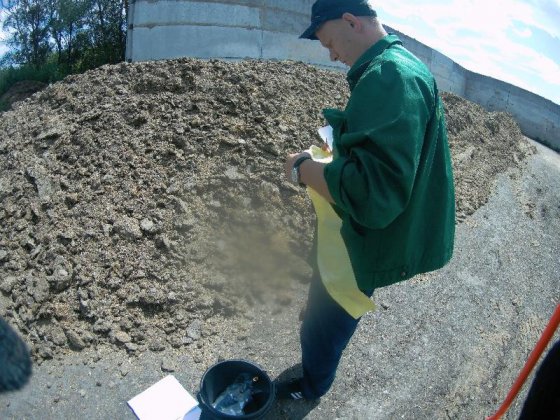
<point x="334" y="56"/>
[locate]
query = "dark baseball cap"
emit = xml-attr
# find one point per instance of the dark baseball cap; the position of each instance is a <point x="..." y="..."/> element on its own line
<point x="325" y="10"/>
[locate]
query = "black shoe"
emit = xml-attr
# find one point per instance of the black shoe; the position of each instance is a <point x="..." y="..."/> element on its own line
<point x="289" y="390"/>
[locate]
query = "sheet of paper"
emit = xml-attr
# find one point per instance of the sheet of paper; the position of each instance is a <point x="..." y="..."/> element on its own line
<point x="165" y="400"/>
<point x="320" y="155"/>
<point x="326" y="134"/>
<point x="194" y="414"/>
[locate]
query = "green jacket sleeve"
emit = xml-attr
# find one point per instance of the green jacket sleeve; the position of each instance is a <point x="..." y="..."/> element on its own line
<point x="380" y="146"/>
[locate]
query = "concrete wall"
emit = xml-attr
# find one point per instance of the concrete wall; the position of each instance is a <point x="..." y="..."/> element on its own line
<point x="537" y="117"/>
<point x="232" y="29"/>
<point x="451" y="77"/>
<point x="269" y="29"/>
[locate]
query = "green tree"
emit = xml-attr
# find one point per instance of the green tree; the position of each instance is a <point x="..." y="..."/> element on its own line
<point x="50" y="39"/>
<point x="107" y="21"/>
<point x="28" y="21"/>
<point x="68" y="30"/>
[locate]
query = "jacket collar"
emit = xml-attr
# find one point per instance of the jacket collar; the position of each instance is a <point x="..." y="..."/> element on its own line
<point x="362" y="63"/>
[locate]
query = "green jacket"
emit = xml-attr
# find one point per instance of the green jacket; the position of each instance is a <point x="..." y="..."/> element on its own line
<point x="391" y="176"/>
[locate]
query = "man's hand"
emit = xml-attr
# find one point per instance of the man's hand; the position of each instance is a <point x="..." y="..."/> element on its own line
<point x="311" y="173"/>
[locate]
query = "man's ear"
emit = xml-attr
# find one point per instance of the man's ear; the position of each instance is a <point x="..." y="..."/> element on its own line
<point x="353" y="21"/>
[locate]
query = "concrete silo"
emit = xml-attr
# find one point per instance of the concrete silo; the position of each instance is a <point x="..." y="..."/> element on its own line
<point x="269" y="29"/>
<point x="231" y="29"/>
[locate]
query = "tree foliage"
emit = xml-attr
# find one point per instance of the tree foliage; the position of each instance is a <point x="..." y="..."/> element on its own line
<point x="28" y="21"/>
<point x="71" y="35"/>
<point x="107" y="20"/>
<point x="67" y="28"/>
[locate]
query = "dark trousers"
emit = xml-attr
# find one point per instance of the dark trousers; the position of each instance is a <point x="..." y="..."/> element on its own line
<point x="325" y="332"/>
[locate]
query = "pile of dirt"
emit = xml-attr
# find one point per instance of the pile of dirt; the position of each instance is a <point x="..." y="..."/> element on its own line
<point x="483" y="144"/>
<point x="144" y="205"/>
<point x="20" y="91"/>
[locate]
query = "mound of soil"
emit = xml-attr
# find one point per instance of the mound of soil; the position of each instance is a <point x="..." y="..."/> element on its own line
<point x="144" y="205"/>
<point x="20" y="91"/>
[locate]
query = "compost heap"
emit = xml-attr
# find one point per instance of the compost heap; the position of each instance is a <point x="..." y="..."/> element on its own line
<point x="144" y="205"/>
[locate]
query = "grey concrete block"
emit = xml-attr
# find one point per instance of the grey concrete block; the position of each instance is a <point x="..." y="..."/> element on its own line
<point x="201" y="13"/>
<point x="292" y="48"/>
<point x="525" y="104"/>
<point x="445" y="84"/>
<point x="296" y="6"/>
<point x="459" y="84"/>
<point x="276" y="20"/>
<point x="441" y="64"/>
<point x="195" y="41"/>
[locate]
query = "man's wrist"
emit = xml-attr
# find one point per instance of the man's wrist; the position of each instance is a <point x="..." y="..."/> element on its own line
<point x="296" y="175"/>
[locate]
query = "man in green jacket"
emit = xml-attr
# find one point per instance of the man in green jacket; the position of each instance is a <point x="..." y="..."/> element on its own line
<point x="389" y="185"/>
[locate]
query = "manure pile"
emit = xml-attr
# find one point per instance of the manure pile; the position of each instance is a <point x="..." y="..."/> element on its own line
<point x="143" y="205"/>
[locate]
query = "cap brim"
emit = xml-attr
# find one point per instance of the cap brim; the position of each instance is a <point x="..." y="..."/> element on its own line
<point x="310" y="32"/>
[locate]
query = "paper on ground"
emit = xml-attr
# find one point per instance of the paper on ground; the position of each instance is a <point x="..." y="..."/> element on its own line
<point x="326" y="134"/>
<point x="165" y="400"/>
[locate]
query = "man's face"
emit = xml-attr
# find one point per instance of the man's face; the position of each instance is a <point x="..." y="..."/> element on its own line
<point x="339" y="38"/>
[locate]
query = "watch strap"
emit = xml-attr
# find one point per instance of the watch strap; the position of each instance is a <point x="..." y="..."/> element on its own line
<point x="296" y="166"/>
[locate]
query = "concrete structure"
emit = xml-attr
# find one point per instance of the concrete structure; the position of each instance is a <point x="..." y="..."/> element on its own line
<point x="231" y="29"/>
<point x="269" y="29"/>
<point x="537" y="117"/>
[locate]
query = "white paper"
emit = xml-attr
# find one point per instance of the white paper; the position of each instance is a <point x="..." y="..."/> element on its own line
<point x="194" y="414"/>
<point x="165" y="400"/>
<point x="326" y="134"/>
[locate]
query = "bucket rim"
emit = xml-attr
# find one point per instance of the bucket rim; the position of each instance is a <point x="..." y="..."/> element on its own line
<point x="235" y="360"/>
<point x="261" y="411"/>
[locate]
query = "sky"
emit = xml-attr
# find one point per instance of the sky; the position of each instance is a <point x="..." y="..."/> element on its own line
<point x="514" y="41"/>
<point x="3" y="35"/>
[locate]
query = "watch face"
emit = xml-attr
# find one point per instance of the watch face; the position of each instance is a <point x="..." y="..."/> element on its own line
<point x="295" y="176"/>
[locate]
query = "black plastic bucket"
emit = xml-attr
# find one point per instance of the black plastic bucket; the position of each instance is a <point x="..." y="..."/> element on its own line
<point x="219" y="376"/>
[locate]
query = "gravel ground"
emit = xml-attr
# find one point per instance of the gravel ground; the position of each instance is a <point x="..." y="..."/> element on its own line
<point x="444" y="345"/>
<point x="144" y="205"/>
<point x="146" y="228"/>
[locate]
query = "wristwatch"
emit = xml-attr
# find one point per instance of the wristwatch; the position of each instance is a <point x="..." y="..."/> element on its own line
<point x="295" y="170"/>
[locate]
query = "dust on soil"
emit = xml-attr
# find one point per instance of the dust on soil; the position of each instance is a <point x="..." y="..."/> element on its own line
<point x="144" y="205"/>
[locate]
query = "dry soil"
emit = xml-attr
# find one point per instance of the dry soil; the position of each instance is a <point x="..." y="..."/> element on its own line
<point x="144" y="207"/>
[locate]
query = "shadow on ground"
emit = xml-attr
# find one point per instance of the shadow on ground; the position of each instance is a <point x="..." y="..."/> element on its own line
<point x="286" y="409"/>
